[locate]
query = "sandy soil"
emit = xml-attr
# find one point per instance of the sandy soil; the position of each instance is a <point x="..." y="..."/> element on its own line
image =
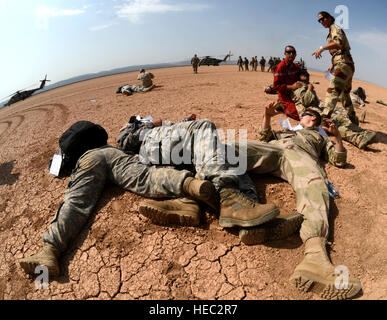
<point x="121" y="255"/>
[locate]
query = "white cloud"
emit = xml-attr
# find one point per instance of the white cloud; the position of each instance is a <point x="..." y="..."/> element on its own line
<point x="133" y="10"/>
<point x="101" y="27"/>
<point x="374" y="40"/>
<point x="43" y="14"/>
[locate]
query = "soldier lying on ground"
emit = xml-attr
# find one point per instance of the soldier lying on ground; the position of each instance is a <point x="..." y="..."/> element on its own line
<point x="305" y="97"/>
<point x="146" y="84"/>
<point x="97" y="166"/>
<point x="293" y="156"/>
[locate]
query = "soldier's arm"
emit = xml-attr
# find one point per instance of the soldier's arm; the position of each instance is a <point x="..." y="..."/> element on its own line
<point x="130" y="137"/>
<point x="334" y="151"/>
<point x="265" y="133"/>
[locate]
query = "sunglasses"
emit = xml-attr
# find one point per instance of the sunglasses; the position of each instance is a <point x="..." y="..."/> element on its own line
<point x="290" y="51"/>
<point x="307" y="114"/>
<point x="321" y="19"/>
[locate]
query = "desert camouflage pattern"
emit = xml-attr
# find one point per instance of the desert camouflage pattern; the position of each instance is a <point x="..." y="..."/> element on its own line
<point x="350" y="132"/>
<point x="93" y="170"/>
<point x="194" y="143"/>
<point x="342" y="55"/>
<point x="146" y="79"/>
<point x="286" y="159"/>
<point x="128" y="88"/>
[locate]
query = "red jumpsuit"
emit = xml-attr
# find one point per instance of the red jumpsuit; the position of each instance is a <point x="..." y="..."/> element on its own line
<point x="286" y="73"/>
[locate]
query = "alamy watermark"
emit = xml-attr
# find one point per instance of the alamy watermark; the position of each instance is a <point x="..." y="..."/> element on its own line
<point x="342" y="20"/>
<point x="42" y="280"/>
<point x="208" y="148"/>
<point x="341" y="281"/>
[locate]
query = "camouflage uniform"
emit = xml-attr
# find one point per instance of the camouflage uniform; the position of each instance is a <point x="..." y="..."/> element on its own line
<point x="262" y="62"/>
<point x="93" y="170"/>
<point x="146" y="79"/>
<point x="349" y="131"/>
<point x="341" y="84"/>
<point x="195" y="62"/>
<point x="189" y="143"/>
<point x="240" y="64"/>
<point x="294" y="157"/>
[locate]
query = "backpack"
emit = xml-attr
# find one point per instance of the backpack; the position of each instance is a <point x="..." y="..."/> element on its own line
<point x="76" y="140"/>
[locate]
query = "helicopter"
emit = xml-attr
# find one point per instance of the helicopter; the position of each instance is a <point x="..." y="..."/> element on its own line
<point x="24" y="94"/>
<point x="210" y="61"/>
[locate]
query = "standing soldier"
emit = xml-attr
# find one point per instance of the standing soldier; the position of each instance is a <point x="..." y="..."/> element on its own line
<point x="262" y="62"/>
<point x="246" y="62"/>
<point x="342" y="64"/>
<point x="255" y="63"/>
<point x="271" y="65"/>
<point x="240" y="63"/>
<point x="195" y="62"/>
<point x="252" y="63"/>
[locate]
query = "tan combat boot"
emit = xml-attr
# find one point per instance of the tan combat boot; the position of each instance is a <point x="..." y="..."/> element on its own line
<point x="317" y="274"/>
<point x="202" y="190"/>
<point x="48" y="257"/>
<point x="279" y="228"/>
<point x="238" y="210"/>
<point x="366" y="140"/>
<point x="182" y="211"/>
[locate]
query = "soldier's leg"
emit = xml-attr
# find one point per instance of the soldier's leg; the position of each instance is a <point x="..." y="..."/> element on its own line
<point x="342" y="75"/>
<point x="351" y="132"/>
<point x="309" y="183"/>
<point x="82" y="193"/>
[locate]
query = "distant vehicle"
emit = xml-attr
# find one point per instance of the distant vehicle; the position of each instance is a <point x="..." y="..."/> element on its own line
<point x="210" y="61"/>
<point x="24" y="94"/>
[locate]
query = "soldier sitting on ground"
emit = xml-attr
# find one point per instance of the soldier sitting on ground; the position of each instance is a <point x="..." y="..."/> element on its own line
<point x="146" y="84"/>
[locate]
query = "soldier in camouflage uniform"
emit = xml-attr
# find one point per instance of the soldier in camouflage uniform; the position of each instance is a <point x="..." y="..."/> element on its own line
<point x="196" y="144"/>
<point x="294" y="156"/>
<point x="195" y="62"/>
<point x="342" y="63"/>
<point x="146" y="81"/>
<point x="271" y="65"/>
<point x="262" y="62"/>
<point x="240" y="63"/>
<point x="93" y="170"/>
<point x="306" y="98"/>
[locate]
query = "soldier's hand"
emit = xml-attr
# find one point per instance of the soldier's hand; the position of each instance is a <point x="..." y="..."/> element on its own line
<point x="332" y="129"/>
<point x="124" y="127"/>
<point x="310" y="87"/>
<point x="270" y="110"/>
<point x="317" y="54"/>
<point x="157" y="122"/>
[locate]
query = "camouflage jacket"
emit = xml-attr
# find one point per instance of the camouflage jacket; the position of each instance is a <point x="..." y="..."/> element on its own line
<point x="146" y="78"/>
<point x="309" y="140"/>
<point x="304" y="98"/>
<point x="130" y="139"/>
<point x="337" y="35"/>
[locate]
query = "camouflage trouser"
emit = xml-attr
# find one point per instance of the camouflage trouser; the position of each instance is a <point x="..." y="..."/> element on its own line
<point x="190" y="143"/>
<point x="195" y="68"/>
<point x="88" y="179"/>
<point x="348" y="130"/>
<point x="303" y="173"/>
<point x="340" y="88"/>
<point x="132" y="88"/>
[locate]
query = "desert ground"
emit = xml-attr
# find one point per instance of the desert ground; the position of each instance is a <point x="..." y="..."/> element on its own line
<point x="121" y="254"/>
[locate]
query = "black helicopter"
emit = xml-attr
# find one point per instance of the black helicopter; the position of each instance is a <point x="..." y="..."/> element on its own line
<point x="24" y="94"/>
<point x="210" y="61"/>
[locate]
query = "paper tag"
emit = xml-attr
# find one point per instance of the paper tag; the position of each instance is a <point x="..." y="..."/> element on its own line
<point x="328" y="75"/>
<point x="56" y="164"/>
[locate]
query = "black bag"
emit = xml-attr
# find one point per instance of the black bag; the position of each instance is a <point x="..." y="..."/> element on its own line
<point x="76" y="140"/>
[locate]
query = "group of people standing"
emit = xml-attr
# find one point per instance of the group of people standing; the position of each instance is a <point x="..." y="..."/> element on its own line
<point x="291" y="155"/>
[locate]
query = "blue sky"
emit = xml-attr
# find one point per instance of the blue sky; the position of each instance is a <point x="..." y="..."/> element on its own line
<point x="66" y="38"/>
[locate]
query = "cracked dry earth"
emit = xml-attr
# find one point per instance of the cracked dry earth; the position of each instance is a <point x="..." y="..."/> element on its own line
<point x="121" y="255"/>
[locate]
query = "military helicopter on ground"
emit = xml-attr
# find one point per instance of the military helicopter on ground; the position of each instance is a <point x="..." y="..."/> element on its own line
<point x="210" y="61"/>
<point x="24" y="94"/>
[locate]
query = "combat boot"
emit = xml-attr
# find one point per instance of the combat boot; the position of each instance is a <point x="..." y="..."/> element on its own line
<point x="182" y="211"/>
<point x="366" y="140"/>
<point x="202" y="190"/>
<point x="279" y="228"/>
<point x="48" y="257"/>
<point x="237" y="209"/>
<point x="317" y="274"/>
